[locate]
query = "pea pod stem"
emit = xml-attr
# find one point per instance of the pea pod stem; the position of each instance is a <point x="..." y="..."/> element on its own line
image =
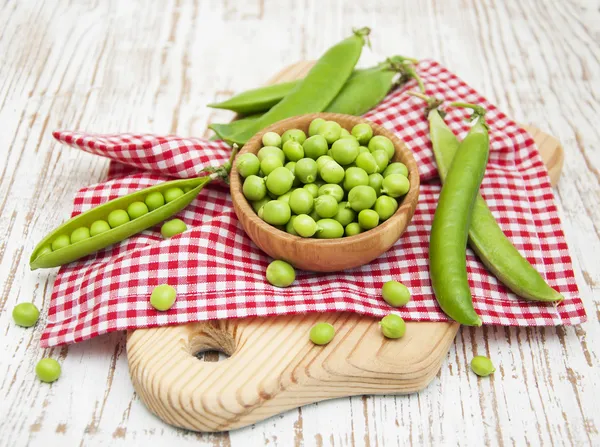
<point x="486" y="238"/>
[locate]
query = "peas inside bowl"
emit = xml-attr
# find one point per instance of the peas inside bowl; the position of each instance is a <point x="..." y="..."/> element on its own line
<point x="325" y="192"/>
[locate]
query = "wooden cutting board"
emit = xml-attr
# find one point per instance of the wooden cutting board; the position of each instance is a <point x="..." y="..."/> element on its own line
<point x="273" y="366"/>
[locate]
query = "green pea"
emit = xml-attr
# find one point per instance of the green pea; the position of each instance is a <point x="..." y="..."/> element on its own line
<point x="362" y="149"/>
<point x="280" y="180"/>
<point x="187" y="189"/>
<point x="45" y="249"/>
<point x="80" y="234"/>
<point x="154" y="200"/>
<point x="172" y="227"/>
<point x="385" y="207"/>
<point x="313" y="214"/>
<point x="352" y="229"/>
<point x="293" y="150"/>
<point x="258" y="204"/>
<point x="482" y="366"/>
<point x="280" y="274"/>
<point x="322" y="160"/>
<point x="330" y="130"/>
<point x="247" y="164"/>
<point x="171" y="194"/>
<point x="345" y="150"/>
<point x="326" y="206"/>
<point x="332" y="172"/>
<point x="393" y="326"/>
<point x="285" y="197"/>
<point x="322" y="333"/>
<point x="375" y="182"/>
<point x="395" y="294"/>
<point x="304" y="225"/>
<point x="61" y="241"/>
<point x="293" y="134"/>
<point x="137" y="209"/>
<point x="276" y="212"/>
<point x="163" y="297"/>
<point x="306" y="170"/>
<point x="100" y="226"/>
<point x="313" y="128"/>
<point x="331" y="189"/>
<point x="117" y="218"/>
<point x="379" y="142"/>
<point x="301" y="201"/>
<point x="368" y="219"/>
<point x="270" y="150"/>
<point x="25" y="314"/>
<point x="291" y="166"/>
<point x="270" y="163"/>
<point x="329" y="229"/>
<point x="315" y="147"/>
<point x="345" y="133"/>
<point x="396" y="168"/>
<point x="355" y="177"/>
<point x="362" y="132"/>
<point x="344" y="214"/>
<point x="395" y="185"/>
<point x="48" y="370"/>
<point x="289" y="227"/>
<point x="382" y="160"/>
<point x="271" y="139"/>
<point x="361" y="198"/>
<point x="367" y="162"/>
<point x="313" y="189"/>
<point x="254" y="188"/>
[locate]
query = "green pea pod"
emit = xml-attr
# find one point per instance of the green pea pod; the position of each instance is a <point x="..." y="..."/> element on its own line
<point x="226" y="131"/>
<point x="451" y="222"/>
<point x="486" y="238"/>
<point x="42" y="257"/>
<point x="92" y="244"/>
<point x="320" y="86"/>
<point x="257" y="100"/>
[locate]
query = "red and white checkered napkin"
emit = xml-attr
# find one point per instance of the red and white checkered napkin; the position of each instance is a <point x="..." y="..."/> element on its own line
<point x="219" y="273"/>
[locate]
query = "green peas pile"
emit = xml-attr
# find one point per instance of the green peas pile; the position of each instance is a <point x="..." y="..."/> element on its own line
<point x="328" y="184"/>
<point x="116" y="218"/>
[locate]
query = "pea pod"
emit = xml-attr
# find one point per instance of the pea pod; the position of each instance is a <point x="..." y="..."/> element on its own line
<point x="226" y="131"/>
<point x="451" y="222"/>
<point x="320" y="86"/>
<point x="486" y="238"/>
<point x="43" y="257"/>
<point x="257" y="100"/>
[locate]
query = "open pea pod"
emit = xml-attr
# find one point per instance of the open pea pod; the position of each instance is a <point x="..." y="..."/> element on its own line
<point x="78" y="250"/>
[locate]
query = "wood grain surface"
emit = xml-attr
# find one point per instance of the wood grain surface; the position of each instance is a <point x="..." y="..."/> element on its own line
<point x="150" y="66"/>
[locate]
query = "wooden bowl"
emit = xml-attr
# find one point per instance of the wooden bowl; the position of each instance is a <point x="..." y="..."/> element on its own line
<point x="326" y="255"/>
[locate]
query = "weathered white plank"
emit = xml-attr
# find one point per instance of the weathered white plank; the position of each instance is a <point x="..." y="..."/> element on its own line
<point x="150" y="67"/>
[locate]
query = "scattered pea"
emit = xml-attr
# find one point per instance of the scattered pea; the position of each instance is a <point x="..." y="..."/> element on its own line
<point x="80" y="234"/>
<point x="322" y="333"/>
<point x="25" y="314"/>
<point x="163" y="297"/>
<point x="48" y="370"/>
<point x="154" y="200"/>
<point x="137" y="209"/>
<point x="172" y="227"/>
<point x="100" y="226"/>
<point x="482" y="366"/>
<point x="280" y="273"/>
<point x="117" y="218"/>
<point x="392" y="326"/>
<point x="395" y="294"/>
<point x="171" y="194"/>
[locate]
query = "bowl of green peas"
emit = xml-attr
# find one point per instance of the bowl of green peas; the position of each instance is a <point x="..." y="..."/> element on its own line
<point x="325" y="191"/>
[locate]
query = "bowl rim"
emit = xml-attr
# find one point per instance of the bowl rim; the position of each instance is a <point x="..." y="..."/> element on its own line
<point x="408" y="201"/>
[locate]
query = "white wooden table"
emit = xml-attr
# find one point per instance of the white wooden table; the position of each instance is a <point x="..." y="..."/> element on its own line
<point x="113" y="66"/>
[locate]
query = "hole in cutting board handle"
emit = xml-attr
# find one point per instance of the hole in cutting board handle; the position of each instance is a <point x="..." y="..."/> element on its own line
<point x="211" y="343"/>
<point x="211" y="355"/>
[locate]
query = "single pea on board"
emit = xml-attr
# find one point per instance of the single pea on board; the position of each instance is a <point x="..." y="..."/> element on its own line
<point x="280" y="273"/>
<point x="482" y="366"/>
<point x="322" y="333"/>
<point x="48" y="370"/>
<point x="25" y="314"/>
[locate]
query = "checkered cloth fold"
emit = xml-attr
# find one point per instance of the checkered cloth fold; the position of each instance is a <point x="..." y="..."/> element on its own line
<point x="219" y="273"/>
